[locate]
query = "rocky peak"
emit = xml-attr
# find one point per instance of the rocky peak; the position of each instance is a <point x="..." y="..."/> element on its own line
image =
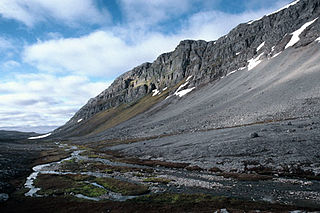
<point x="205" y="61"/>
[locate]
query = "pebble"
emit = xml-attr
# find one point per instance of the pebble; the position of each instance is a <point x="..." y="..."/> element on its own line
<point x="4" y="197"/>
<point x="254" y="135"/>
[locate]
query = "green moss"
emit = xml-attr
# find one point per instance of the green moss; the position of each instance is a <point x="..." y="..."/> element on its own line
<point x="125" y="188"/>
<point x="157" y="180"/>
<point x="79" y="177"/>
<point x="93" y="156"/>
<point x="55" y="185"/>
<point x="73" y="160"/>
<point x="109" y="171"/>
<point x="87" y="189"/>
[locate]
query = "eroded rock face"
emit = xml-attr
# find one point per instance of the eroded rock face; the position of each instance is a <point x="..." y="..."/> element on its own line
<point x="208" y="61"/>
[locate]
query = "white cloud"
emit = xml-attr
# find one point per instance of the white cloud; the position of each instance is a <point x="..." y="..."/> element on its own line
<point x="110" y="53"/>
<point x="37" y="100"/>
<point x="70" y="12"/>
<point x="142" y="13"/>
<point x="10" y="64"/>
<point x="97" y="54"/>
<point x="213" y="24"/>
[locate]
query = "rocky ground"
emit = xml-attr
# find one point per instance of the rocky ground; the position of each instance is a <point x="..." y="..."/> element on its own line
<point x="286" y="146"/>
<point x="94" y="177"/>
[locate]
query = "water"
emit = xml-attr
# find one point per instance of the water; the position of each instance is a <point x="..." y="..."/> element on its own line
<point x="40" y="169"/>
<point x="47" y="169"/>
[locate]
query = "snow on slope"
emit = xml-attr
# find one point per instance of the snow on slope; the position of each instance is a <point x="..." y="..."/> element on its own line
<point x="180" y="92"/>
<point x="184" y="92"/>
<point x="285" y="7"/>
<point x="295" y="35"/>
<point x="155" y="92"/>
<point x="254" y="62"/>
<point x="40" y="136"/>
<point x="260" y="46"/>
<point x="230" y="73"/>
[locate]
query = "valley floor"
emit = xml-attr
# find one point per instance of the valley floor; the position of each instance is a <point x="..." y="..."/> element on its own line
<point x="276" y="169"/>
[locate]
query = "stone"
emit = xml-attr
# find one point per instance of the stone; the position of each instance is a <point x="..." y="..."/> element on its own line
<point x="3" y="197"/>
<point x="254" y="135"/>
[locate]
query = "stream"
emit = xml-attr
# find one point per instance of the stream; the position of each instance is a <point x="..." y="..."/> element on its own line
<point x="277" y="190"/>
<point x="49" y="169"/>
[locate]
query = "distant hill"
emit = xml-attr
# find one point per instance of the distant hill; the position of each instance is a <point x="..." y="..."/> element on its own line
<point x="8" y="136"/>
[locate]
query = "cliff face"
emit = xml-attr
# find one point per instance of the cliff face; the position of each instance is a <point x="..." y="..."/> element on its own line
<point x="202" y="62"/>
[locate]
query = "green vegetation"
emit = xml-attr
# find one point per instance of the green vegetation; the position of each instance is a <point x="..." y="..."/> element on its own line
<point x="157" y="180"/>
<point x="64" y="185"/>
<point x="87" y="189"/>
<point x="125" y="188"/>
<point x="123" y="113"/>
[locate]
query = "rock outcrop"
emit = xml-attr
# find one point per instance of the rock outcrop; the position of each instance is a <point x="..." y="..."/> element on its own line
<point x="205" y="62"/>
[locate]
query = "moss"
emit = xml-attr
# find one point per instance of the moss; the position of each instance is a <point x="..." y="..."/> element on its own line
<point x="87" y="189"/>
<point x="55" y="185"/>
<point x="109" y="171"/>
<point x="73" y="160"/>
<point x="121" y="114"/>
<point x="157" y="180"/>
<point x="125" y="188"/>
<point x="52" y="156"/>
<point x="79" y="177"/>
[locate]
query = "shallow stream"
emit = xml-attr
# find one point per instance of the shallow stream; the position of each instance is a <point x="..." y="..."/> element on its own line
<point x="277" y="190"/>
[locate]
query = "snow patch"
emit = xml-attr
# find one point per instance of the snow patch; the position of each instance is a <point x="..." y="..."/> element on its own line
<point x="260" y="46"/>
<point x="155" y="92"/>
<point x="318" y="39"/>
<point x="285" y="7"/>
<point x="250" y="22"/>
<point x="295" y="35"/>
<point x="184" y="92"/>
<point x="230" y="73"/>
<point x="40" y="136"/>
<point x="238" y="53"/>
<point x="164" y="89"/>
<point x="254" y="62"/>
<point x="276" y="55"/>
<point x="80" y="120"/>
<point x="168" y="97"/>
<point x="183" y="85"/>
<point x="189" y="77"/>
<point x="180" y="92"/>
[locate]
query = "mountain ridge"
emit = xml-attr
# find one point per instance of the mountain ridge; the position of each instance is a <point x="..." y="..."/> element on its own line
<point x="202" y="62"/>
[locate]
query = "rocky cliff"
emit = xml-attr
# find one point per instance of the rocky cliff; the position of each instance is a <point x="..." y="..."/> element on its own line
<point x="196" y="63"/>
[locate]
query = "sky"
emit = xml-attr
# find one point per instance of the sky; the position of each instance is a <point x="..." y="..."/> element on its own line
<point x="57" y="54"/>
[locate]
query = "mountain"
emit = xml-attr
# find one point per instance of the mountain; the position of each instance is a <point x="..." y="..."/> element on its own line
<point x="261" y="71"/>
<point x="9" y="136"/>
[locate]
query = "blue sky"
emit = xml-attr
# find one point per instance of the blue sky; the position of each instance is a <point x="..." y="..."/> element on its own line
<point x="56" y="54"/>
